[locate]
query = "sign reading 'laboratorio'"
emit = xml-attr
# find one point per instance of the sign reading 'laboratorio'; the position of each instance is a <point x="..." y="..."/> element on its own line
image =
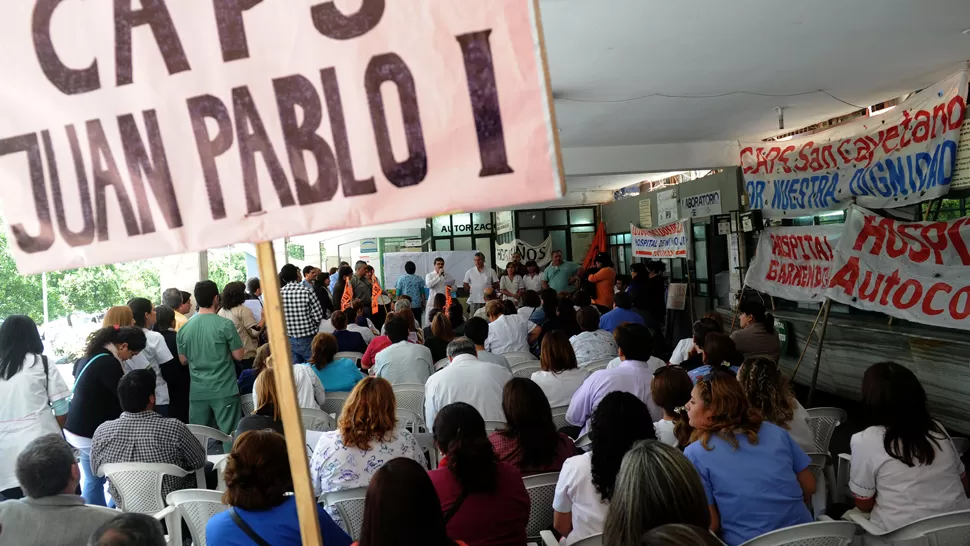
<point x="904" y="156"/>
<point x="701" y="206"/>
<point x="670" y="241"/>
<point x="138" y="129"/>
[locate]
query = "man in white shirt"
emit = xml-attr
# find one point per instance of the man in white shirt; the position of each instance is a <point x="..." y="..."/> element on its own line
<point x="476" y="329"/>
<point x="437" y="281"/>
<point x="352" y="326"/>
<point x="477" y="279"/>
<point x="508" y="333"/>
<point x="467" y="379"/>
<point x="490" y="294"/>
<point x="402" y="361"/>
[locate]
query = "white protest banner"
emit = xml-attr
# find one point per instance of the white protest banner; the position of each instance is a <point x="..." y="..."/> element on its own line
<point x="541" y="255"/>
<point x="670" y="241"/>
<point x="139" y="129"/>
<point x="900" y="157"/>
<point x="918" y="271"/>
<point x="667" y="207"/>
<point x="794" y="262"/>
<point x="700" y="206"/>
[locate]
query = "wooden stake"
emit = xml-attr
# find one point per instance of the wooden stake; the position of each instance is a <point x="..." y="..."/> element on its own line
<point x="808" y="341"/>
<point x="818" y="351"/>
<point x="306" y="505"/>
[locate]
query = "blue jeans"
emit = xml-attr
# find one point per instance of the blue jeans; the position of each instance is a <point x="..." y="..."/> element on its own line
<point x="92" y="485"/>
<point x="300" y="347"/>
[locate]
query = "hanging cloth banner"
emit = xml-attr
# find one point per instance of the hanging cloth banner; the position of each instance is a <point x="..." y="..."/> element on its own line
<point x="542" y="254"/>
<point x="347" y="298"/>
<point x="670" y="241"/>
<point x="918" y="271"/>
<point x="375" y="296"/>
<point x="794" y="262"/>
<point x="130" y="130"/>
<point x="900" y="157"/>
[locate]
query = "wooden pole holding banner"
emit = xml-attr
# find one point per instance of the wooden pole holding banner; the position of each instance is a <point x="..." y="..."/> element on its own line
<point x="808" y="340"/>
<point x="690" y="292"/>
<point x="306" y="505"/>
<point x="818" y="351"/>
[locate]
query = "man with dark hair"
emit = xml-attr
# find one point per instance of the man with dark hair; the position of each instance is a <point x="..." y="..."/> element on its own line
<point x="142" y="436"/>
<point x="633" y="375"/>
<point x="254" y="297"/>
<point x="210" y="345"/>
<point x="50" y="514"/>
<point x="362" y="287"/>
<point x="352" y="326"/>
<point x="403" y="361"/>
<point x="130" y="529"/>
<point x="335" y="273"/>
<point x="622" y="313"/>
<point x="181" y="302"/>
<point x="476" y="329"/>
<point x="302" y="313"/>
<point x="412" y="286"/>
<point x="561" y="276"/>
<point x="477" y="279"/>
<point x="310" y="274"/>
<point x="438" y="281"/>
<point x="347" y="341"/>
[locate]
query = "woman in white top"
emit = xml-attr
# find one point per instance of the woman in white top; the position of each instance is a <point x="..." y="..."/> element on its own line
<point x="768" y="391"/>
<point x="904" y="466"/>
<point x="560" y="377"/>
<point x="510" y="285"/>
<point x="586" y="482"/>
<point x="530" y="302"/>
<point x="35" y="397"/>
<point x="367" y="436"/>
<point x="156" y="354"/>
<point x="592" y="344"/>
<point x="670" y="389"/>
<point x="310" y="392"/>
<point x="508" y="333"/>
<point x="532" y="280"/>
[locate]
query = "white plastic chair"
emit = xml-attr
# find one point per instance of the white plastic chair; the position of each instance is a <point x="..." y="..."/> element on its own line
<point x="549" y="539"/>
<point x="427" y="445"/>
<point x="541" y="489"/>
<point x="247" y="404"/>
<point x="596" y="365"/>
<point x="195" y="507"/>
<point x="171" y="522"/>
<point x="202" y="433"/>
<point x="441" y="364"/>
<point x="960" y="444"/>
<point x="559" y="416"/>
<point x="139" y="485"/>
<point x="819" y="533"/>
<point x="516" y="357"/>
<point x="951" y="529"/>
<point x="350" y="505"/>
<point x="492" y="426"/>
<point x="410" y="396"/>
<point x="406" y="417"/>
<point x="352" y="355"/>
<point x="842" y="493"/>
<point x="525" y="369"/>
<point x="823" y="422"/>
<point x="315" y="419"/>
<point x="334" y="404"/>
<point x="820" y="500"/>
<point x="584" y="442"/>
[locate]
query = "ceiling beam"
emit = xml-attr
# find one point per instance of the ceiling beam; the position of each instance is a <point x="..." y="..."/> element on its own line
<point x="683" y="156"/>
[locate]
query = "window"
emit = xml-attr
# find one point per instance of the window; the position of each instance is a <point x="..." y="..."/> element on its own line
<point x="530" y="219"/>
<point x="534" y="237"/>
<point x="701" y="273"/>
<point x="582" y="216"/>
<point x="462" y="243"/>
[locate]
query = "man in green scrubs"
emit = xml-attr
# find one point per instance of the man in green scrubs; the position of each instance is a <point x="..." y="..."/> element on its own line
<point x="559" y="275"/>
<point x="208" y="344"/>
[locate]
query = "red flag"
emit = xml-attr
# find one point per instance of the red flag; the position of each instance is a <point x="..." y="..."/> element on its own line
<point x="599" y="245"/>
<point x="375" y="294"/>
<point x="348" y="298"/>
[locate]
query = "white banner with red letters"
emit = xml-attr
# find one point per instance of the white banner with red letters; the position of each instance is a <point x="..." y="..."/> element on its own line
<point x="900" y="157"/>
<point x="131" y="130"/>
<point x="670" y="241"/>
<point x="794" y="262"/>
<point x="918" y="271"/>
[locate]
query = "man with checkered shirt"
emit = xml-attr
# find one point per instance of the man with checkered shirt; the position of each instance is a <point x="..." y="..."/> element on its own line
<point x="301" y="311"/>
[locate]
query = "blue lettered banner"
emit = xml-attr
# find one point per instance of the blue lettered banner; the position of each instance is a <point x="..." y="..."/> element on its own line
<point x="670" y="241"/>
<point x="904" y="156"/>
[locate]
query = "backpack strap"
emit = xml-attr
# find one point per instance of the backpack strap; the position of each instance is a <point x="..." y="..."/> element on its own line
<point x="253" y="535"/>
<point x="86" y="366"/>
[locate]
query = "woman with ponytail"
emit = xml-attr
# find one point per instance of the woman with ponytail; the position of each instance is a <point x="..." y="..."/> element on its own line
<point x="96" y="396"/>
<point x="769" y="392"/>
<point x="757" y="336"/>
<point x="470" y="482"/>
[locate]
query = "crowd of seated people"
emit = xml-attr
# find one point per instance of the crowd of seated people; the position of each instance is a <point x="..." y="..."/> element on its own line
<point x="711" y="441"/>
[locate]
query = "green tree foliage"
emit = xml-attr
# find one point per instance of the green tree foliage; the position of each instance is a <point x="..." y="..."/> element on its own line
<point x="225" y="267"/>
<point x="295" y="251"/>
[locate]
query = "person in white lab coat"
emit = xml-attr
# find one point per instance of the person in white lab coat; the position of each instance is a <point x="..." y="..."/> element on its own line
<point x="436" y="281"/>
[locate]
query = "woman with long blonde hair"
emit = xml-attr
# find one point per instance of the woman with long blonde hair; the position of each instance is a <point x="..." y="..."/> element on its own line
<point x="367" y="436"/>
<point x="266" y="413"/>
<point x="756" y="477"/>
<point x="119" y="315"/>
